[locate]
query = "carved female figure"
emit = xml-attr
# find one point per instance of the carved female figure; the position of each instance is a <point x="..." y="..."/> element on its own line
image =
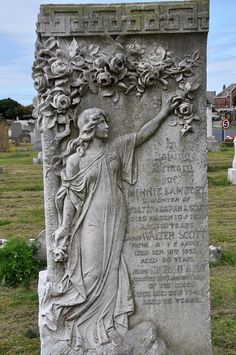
<point x="95" y="299"/>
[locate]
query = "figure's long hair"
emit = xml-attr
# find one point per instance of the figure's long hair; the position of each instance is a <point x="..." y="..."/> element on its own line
<point x="86" y="122"/>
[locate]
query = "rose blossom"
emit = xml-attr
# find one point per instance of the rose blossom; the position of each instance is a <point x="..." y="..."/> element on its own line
<point x="149" y="77"/>
<point x="105" y="79"/>
<point x="59" y="68"/>
<point x="184" y="109"/>
<point x="60" y="102"/>
<point x="41" y="83"/>
<point x="117" y="63"/>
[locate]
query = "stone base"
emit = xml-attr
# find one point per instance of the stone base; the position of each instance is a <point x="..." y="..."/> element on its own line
<point x="142" y="339"/>
<point x="232" y="175"/>
<point x="213" y="145"/>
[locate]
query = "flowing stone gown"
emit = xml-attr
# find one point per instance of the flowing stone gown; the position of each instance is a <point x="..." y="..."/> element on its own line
<point x="95" y="297"/>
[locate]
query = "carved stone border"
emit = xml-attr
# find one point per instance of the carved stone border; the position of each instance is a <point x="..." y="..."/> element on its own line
<point x="110" y="19"/>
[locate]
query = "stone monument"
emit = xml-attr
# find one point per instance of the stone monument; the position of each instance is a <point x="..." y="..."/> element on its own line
<point x="232" y="171"/>
<point x="121" y="106"/>
<point x="212" y="143"/>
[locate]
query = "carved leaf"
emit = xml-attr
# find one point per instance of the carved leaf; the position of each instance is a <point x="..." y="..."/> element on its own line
<point x="76" y="82"/>
<point x="168" y="61"/>
<point x="179" y="77"/>
<point x="93" y="49"/>
<point x="116" y="97"/>
<point x="61" y="55"/>
<point x="195" y="55"/>
<point x="61" y="82"/>
<point x="76" y="100"/>
<point x="108" y="92"/>
<point x="50" y="43"/>
<point x="195" y="86"/>
<point x="122" y="86"/>
<point x="73" y="93"/>
<point x="130" y="88"/>
<point x="78" y="61"/>
<point x="51" y="122"/>
<point x="38" y="46"/>
<point x="72" y="48"/>
<point x="186" y="129"/>
<point x="46" y="112"/>
<point x="196" y="118"/>
<point x="93" y="87"/>
<point x="160" y="53"/>
<point x="187" y="86"/>
<point x="83" y="89"/>
<point x="173" y="122"/>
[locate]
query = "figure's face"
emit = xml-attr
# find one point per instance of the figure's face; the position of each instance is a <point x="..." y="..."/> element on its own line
<point x="102" y="128"/>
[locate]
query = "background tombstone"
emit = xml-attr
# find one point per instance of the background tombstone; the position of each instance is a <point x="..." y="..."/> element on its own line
<point x="4" y="140"/>
<point x="129" y="60"/>
<point x="16" y="131"/>
<point x="212" y="143"/>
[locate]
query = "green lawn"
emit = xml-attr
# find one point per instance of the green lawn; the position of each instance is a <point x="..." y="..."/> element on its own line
<point x="21" y="215"/>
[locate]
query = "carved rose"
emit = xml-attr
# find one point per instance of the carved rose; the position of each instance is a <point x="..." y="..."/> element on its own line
<point x="117" y="63"/>
<point x="59" y="255"/>
<point x="60" y="102"/>
<point x="41" y="83"/>
<point x="149" y="77"/>
<point x="142" y="66"/>
<point x="185" y="109"/>
<point x="105" y="79"/>
<point x="59" y="68"/>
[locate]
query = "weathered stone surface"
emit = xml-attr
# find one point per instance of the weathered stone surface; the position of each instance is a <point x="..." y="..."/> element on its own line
<point x="37" y="140"/>
<point x="124" y="143"/>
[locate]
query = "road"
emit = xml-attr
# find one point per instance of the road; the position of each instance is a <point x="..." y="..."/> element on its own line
<point x="217" y="133"/>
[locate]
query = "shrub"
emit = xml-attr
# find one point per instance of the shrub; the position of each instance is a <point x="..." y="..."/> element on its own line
<point x="18" y="266"/>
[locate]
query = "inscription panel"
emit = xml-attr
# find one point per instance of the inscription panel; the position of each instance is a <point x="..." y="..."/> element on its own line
<point x="170" y="250"/>
<point x="72" y="20"/>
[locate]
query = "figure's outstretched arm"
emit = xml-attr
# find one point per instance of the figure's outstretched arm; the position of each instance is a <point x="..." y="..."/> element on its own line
<point x="146" y="131"/>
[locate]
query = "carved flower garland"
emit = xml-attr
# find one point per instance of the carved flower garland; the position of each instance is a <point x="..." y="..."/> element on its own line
<point x="63" y="72"/>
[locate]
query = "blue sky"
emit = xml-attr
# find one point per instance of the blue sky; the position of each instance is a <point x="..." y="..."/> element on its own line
<point x="17" y="38"/>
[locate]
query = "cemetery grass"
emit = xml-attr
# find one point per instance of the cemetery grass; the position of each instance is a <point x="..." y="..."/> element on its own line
<point x="21" y="216"/>
<point x="222" y="232"/>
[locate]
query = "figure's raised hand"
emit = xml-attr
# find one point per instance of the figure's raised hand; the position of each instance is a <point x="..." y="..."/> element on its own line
<point x="170" y="101"/>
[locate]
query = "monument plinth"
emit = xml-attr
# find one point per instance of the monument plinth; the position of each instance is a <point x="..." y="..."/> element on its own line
<point x="121" y="106"/>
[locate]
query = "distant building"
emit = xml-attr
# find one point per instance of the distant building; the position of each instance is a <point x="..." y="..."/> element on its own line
<point x="224" y="100"/>
<point x="4" y="141"/>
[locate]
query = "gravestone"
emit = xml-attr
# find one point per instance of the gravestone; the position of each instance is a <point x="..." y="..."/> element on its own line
<point x="16" y="130"/>
<point x="232" y="171"/>
<point x="212" y="143"/>
<point x="4" y="140"/>
<point x="121" y="105"/>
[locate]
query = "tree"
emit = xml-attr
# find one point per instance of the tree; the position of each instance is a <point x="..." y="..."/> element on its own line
<point x="10" y="109"/>
<point x="7" y="108"/>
